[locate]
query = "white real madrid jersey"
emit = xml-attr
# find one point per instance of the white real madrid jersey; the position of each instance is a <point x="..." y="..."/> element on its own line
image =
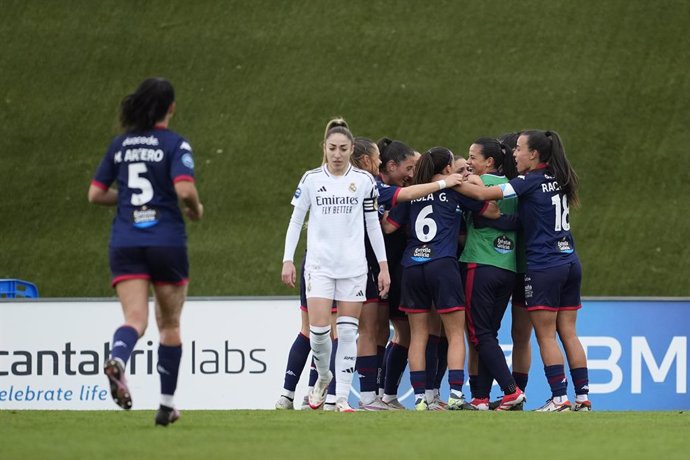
<point x="335" y="233"/>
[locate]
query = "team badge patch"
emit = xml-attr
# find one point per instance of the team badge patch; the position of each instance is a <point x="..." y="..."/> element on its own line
<point x="353" y="187"/>
<point x="188" y="161"/>
<point x="298" y="192"/>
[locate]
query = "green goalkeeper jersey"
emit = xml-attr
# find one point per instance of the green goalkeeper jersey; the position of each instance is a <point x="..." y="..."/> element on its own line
<point x="489" y="246"/>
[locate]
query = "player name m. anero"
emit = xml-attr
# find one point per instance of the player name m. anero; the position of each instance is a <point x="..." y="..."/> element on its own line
<point x="331" y="200"/>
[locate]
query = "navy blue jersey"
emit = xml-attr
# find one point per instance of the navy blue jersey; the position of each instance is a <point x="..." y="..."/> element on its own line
<point x="433" y="225"/>
<point x="146" y="166"/>
<point x="396" y="241"/>
<point x="544" y="214"/>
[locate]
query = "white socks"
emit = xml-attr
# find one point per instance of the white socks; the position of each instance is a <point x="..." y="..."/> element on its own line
<point x="346" y="355"/>
<point x="321" y="345"/>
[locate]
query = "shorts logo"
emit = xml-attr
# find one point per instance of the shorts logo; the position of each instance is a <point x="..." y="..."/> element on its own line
<point x="529" y="292"/>
<point x="360" y="294"/>
<point x="298" y="192"/>
<point x="188" y="161"/>
<point x="352" y="187"/>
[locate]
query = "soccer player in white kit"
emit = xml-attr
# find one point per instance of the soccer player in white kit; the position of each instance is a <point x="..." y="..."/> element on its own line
<point x="341" y="200"/>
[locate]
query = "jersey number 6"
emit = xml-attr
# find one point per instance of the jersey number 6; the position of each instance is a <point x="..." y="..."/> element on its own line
<point x="425" y="222"/>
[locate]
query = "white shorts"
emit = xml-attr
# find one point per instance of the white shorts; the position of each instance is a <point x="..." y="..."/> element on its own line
<point x="344" y="289"/>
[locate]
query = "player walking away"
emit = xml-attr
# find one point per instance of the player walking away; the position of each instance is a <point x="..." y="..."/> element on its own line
<point x="552" y="283"/>
<point x="366" y="156"/>
<point x="153" y="168"/>
<point x="489" y="266"/>
<point x="336" y="195"/>
<point x="431" y="275"/>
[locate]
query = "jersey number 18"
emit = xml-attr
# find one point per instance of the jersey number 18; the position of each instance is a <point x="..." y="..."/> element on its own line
<point x="562" y="213"/>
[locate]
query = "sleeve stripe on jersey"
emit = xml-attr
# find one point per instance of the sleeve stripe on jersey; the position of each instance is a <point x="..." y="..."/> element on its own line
<point x="395" y="197"/>
<point x="100" y="185"/>
<point x="392" y="222"/>
<point x="183" y="178"/>
<point x="508" y="190"/>
<point x="369" y="205"/>
<point x="486" y="205"/>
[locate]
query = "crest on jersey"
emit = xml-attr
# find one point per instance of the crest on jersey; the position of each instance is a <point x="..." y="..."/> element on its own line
<point x="353" y="187"/>
<point x="298" y="192"/>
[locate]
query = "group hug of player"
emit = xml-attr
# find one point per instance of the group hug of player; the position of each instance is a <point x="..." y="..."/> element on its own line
<point x="435" y="245"/>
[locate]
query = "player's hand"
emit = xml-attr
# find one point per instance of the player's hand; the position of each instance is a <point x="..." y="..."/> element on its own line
<point x="453" y="179"/>
<point x="474" y="179"/>
<point x="195" y="214"/>
<point x="384" y="281"/>
<point x="289" y="274"/>
<point x="491" y="211"/>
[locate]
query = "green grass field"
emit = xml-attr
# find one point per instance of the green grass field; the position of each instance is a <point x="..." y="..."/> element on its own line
<point x="299" y="435"/>
<point x="257" y="81"/>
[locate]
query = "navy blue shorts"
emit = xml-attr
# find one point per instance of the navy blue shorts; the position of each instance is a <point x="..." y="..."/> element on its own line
<point x="555" y="288"/>
<point x="518" y="298"/>
<point x="487" y="291"/>
<point x="394" y="299"/>
<point x="434" y="284"/>
<point x="303" y="289"/>
<point x="159" y="264"/>
<point x="372" y="291"/>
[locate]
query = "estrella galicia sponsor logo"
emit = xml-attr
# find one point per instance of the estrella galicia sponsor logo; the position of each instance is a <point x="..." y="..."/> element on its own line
<point x="145" y="217"/>
<point x="504" y="245"/>
<point x="298" y="192"/>
<point x="565" y="246"/>
<point x="188" y="161"/>
<point x="422" y="254"/>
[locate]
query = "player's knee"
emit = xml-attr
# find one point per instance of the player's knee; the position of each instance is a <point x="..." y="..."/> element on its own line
<point x="319" y="334"/>
<point x="347" y="327"/>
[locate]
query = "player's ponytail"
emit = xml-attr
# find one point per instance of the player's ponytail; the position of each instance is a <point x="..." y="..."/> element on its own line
<point x="149" y="104"/>
<point x="500" y="153"/>
<point x="392" y="150"/>
<point x="432" y="162"/>
<point x="551" y="152"/>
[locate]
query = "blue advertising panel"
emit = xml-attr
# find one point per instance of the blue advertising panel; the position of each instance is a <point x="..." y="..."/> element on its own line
<point x="637" y="355"/>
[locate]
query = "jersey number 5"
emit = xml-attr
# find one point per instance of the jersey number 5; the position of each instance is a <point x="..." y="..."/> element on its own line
<point x="562" y="213"/>
<point x="137" y="181"/>
<point x="424" y="227"/>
